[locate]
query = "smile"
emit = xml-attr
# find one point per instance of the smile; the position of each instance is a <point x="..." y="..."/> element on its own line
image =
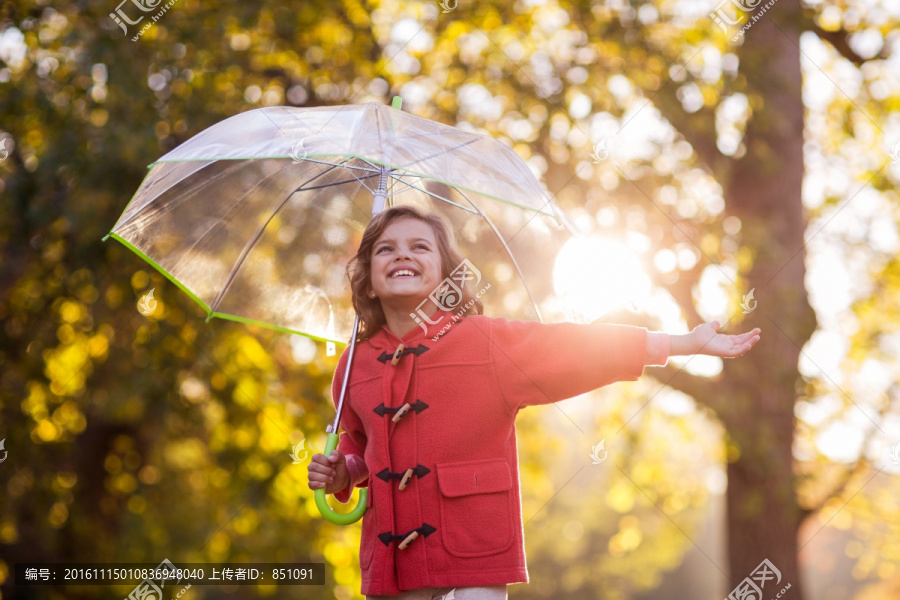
<point x="402" y="273"/>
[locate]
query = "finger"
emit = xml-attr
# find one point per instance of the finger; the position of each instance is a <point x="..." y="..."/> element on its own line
<point x="746" y="347"/>
<point x="324" y="469"/>
<point x="746" y="336"/>
<point x="320" y="478"/>
<point x="750" y="334"/>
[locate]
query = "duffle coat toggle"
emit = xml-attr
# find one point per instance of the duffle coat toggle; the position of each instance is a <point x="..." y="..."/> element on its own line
<point x="402" y="351"/>
<point x="404" y="476"/>
<point x="387" y="537"/>
<point x="398" y="411"/>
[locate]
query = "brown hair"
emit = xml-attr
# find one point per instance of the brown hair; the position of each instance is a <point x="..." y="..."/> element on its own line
<point x="359" y="268"/>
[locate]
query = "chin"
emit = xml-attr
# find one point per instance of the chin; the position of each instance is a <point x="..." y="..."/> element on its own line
<point x="411" y="295"/>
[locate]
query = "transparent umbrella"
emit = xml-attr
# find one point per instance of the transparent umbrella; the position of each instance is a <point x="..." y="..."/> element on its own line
<point x="256" y="217"/>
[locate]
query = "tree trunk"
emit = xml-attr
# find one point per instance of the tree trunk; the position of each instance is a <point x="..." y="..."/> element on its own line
<point x="765" y="193"/>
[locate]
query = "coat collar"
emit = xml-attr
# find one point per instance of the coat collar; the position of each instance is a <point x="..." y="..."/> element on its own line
<point x="384" y="339"/>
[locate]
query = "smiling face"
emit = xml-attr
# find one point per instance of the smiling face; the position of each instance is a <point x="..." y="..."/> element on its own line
<point x="406" y="263"/>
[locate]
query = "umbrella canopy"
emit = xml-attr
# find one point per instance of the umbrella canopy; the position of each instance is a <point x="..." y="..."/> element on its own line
<point x="256" y="217"/>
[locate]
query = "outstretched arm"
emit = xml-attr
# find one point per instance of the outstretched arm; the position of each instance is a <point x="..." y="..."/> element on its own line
<point x="705" y="339"/>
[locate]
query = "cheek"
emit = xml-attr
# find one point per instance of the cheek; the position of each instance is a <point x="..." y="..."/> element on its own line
<point x="436" y="271"/>
<point x="377" y="264"/>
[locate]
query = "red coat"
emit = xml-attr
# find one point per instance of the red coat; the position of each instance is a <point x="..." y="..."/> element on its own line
<point x="465" y="390"/>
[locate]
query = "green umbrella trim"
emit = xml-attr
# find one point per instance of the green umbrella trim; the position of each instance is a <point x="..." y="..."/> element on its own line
<point x="209" y="313"/>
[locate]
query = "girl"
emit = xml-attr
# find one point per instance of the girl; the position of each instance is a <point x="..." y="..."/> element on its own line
<point x="429" y="414"/>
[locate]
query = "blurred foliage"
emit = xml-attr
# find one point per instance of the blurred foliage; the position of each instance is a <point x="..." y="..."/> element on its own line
<point x="612" y="529"/>
<point x="134" y="438"/>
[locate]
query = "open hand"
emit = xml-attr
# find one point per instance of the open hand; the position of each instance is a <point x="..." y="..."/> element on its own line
<point x="709" y="341"/>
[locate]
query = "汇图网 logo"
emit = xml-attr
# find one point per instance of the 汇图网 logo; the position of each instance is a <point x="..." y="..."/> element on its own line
<point x="751" y="588"/>
<point x="448" y="295"/>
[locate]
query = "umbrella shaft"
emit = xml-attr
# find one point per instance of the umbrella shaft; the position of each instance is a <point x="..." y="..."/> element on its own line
<point x="333" y="428"/>
<point x="380" y="193"/>
<point x="377" y="207"/>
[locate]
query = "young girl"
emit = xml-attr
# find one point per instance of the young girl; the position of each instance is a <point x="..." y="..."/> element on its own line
<point x="429" y="421"/>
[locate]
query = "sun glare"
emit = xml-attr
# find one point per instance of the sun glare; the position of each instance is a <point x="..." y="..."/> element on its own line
<point x="593" y="276"/>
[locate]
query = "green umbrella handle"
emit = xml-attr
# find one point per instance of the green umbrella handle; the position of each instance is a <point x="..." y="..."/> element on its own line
<point x="328" y="512"/>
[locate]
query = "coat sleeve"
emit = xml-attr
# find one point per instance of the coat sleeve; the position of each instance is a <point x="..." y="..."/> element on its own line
<point x="352" y="442"/>
<point x="540" y="363"/>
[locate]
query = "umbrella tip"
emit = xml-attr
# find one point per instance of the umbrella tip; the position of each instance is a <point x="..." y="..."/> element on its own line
<point x="396" y="102"/>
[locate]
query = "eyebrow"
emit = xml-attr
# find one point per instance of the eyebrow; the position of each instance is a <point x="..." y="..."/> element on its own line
<point x="412" y="240"/>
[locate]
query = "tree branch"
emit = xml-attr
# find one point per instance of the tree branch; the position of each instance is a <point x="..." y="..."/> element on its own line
<point x="838" y="39"/>
<point x="699" y="129"/>
<point x="861" y="465"/>
<point x="681" y="292"/>
<point x="702" y="389"/>
<point x="838" y="490"/>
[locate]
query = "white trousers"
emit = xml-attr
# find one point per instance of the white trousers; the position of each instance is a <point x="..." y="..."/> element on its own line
<point x="493" y="592"/>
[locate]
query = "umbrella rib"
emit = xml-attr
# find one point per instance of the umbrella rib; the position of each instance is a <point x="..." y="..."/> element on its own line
<point x="249" y="247"/>
<point x="509" y="253"/>
<point x="176" y="268"/>
<point x="378" y="132"/>
<point x="334" y="183"/>
<point x="436" y="195"/>
<point x="437" y="154"/>
<point x="376" y="171"/>
<point x="137" y="211"/>
<point x="456" y="186"/>
<point x="212" y="160"/>
<point x="342" y="164"/>
<point x="552" y="214"/>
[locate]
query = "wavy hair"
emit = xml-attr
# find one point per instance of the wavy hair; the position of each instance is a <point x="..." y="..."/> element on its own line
<point x="359" y="268"/>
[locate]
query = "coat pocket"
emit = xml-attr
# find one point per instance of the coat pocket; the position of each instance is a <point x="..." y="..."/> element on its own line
<point x="476" y="506"/>
<point x="369" y="536"/>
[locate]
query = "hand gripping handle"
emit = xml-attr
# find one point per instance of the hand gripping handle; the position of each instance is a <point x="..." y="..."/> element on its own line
<point x="328" y="512"/>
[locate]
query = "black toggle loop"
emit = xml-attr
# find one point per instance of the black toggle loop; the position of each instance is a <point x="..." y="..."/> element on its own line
<point x="418" y="350"/>
<point x="387" y="537"/>
<point x="418" y="471"/>
<point x="382" y="410"/>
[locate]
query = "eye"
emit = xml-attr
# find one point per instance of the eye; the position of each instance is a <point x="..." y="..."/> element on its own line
<point x="382" y="248"/>
<point x="423" y="246"/>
